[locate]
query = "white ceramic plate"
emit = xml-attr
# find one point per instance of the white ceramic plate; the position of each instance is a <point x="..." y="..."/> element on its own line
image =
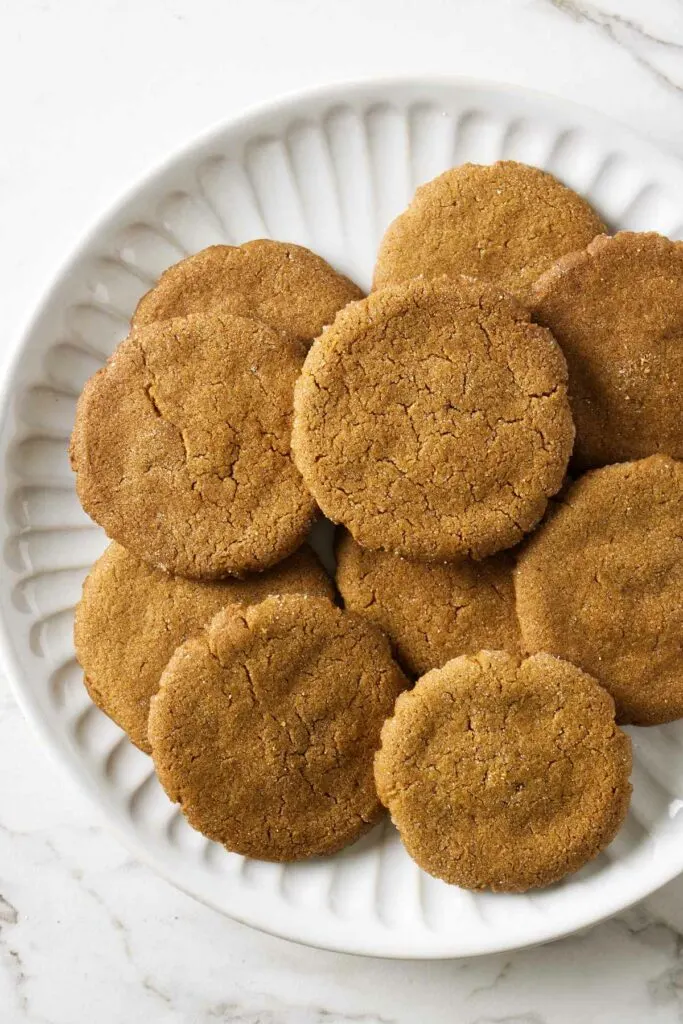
<point x="328" y="169"/>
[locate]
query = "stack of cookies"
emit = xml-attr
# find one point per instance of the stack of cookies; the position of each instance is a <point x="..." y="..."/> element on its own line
<point x="498" y="617"/>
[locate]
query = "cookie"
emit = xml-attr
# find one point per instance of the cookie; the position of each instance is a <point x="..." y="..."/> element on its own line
<point x="272" y="755"/>
<point x="131" y="618"/>
<point x="432" y="420"/>
<point x="284" y="285"/>
<point x="430" y="611"/>
<point x="600" y="584"/>
<point x="504" y="774"/>
<point x="182" y="446"/>
<point x="504" y="223"/>
<point x="616" y="309"/>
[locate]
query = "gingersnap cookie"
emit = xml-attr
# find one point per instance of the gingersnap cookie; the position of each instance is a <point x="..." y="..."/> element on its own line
<point x="182" y="446"/>
<point x="272" y="755"/>
<point x="502" y="773"/>
<point x="132" y="617"/>
<point x="286" y="286"/>
<point x="616" y="309"/>
<point x="600" y="584"/>
<point x="432" y="420"/>
<point x="431" y="611"/>
<point x="504" y="223"/>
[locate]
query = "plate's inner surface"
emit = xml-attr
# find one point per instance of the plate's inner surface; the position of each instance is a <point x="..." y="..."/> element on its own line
<point x="330" y="176"/>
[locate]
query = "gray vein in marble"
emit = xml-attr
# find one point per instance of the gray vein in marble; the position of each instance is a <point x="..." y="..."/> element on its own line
<point x="653" y="933"/>
<point x="18" y="971"/>
<point x="48" y="852"/>
<point x="149" y="986"/>
<point x="8" y="913"/>
<point x="500" y="976"/>
<point x="327" y="1016"/>
<point x="9" y="916"/>
<point x="17" y="967"/>
<point x="77" y="875"/>
<point x="514" y="1018"/>
<point x="666" y="989"/>
<point x="625" y="32"/>
<point x="589" y="12"/>
<point x="235" y="1013"/>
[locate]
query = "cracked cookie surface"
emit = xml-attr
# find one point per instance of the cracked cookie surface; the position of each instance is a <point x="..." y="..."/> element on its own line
<point x="600" y="584"/>
<point x="504" y="774"/>
<point x="182" y="446"/>
<point x="504" y="223"/>
<point x="272" y="755"/>
<point x="430" y="611"/>
<point x="432" y="420"/>
<point x="284" y="285"/>
<point x="616" y="309"/>
<point x="132" y="617"/>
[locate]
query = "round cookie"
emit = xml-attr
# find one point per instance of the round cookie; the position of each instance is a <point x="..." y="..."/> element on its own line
<point x="504" y="223"/>
<point x="430" y="611"/>
<point x="616" y="309"/>
<point x="182" y="446"/>
<point x="132" y="617"/>
<point x="600" y="584"/>
<point x="273" y="754"/>
<point x="504" y="774"/>
<point x="286" y="286"/>
<point x="432" y="420"/>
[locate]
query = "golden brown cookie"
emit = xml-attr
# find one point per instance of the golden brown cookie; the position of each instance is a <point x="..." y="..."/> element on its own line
<point x="284" y="285"/>
<point x="431" y="611"/>
<point x="504" y="774"/>
<point x="181" y="446"/>
<point x="432" y="420"/>
<point x="504" y="223"/>
<point x="616" y="308"/>
<point x="131" y="618"/>
<point x="601" y="581"/>
<point x="272" y="755"/>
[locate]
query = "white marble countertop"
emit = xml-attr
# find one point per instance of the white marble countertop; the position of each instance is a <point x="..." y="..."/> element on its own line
<point x="93" y="94"/>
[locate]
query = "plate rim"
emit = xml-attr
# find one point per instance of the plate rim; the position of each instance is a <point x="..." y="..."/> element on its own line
<point x="59" y="747"/>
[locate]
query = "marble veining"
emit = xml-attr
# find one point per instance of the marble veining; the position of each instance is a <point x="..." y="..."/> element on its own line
<point x="646" y="47"/>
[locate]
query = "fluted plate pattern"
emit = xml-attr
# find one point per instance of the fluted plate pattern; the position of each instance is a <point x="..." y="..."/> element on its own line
<point x="327" y="170"/>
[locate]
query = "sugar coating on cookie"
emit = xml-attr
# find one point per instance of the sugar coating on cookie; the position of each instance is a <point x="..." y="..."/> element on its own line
<point x="432" y="420"/>
<point x="504" y="223"/>
<point x="131" y="618"/>
<point x="265" y="727"/>
<point x="431" y="611"/>
<point x="182" y="446"/>
<point x="600" y="584"/>
<point x="616" y="309"/>
<point x="286" y="286"/>
<point x="504" y="774"/>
